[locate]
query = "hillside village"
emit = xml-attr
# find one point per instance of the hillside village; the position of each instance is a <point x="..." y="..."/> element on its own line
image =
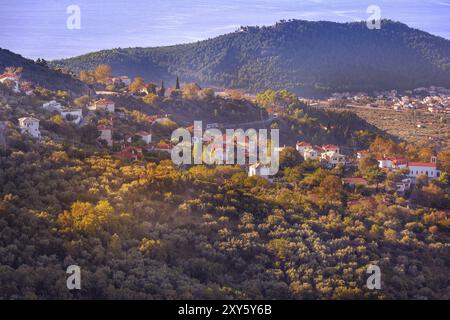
<point x="131" y="146"/>
<point x="92" y="174"/>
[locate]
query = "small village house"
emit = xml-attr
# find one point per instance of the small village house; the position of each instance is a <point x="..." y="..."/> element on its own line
<point x="105" y="134"/>
<point x="392" y="162"/>
<point x="260" y="170"/>
<point x="52" y="106"/>
<point x="331" y="147"/>
<point x="72" y="115"/>
<point x="130" y="153"/>
<point x="123" y="79"/>
<point x="301" y="146"/>
<point x="30" y="125"/>
<point x="103" y="105"/>
<point x="333" y="158"/>
<point x="426" y="168"/>
<point x="311" y="154"/>
<point x="165" y="147"/>
<point x="145" y="136"/>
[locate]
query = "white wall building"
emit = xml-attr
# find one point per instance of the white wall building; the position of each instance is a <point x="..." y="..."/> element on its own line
<point x="427" y="168"/>
<point x="301" y="146"/>
<point x="52" y="106"/>
<point x="106" y="134"/>
<point x="30" y="125"/>
<point x="75" y="115"/>
<point x="145" y="136"/>
<point x="124" y="79"/>
<point x="103" y="105"/>
<point x="259" y="170"/>
<point x="311" y="153"/>
<point x="333" y="158"/>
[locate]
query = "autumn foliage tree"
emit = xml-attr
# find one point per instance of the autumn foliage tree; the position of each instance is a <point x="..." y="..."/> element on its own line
<point x="103" y="72"/>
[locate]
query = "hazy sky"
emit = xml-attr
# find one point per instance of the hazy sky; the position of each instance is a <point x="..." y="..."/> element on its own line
<point x="37" y="28"/>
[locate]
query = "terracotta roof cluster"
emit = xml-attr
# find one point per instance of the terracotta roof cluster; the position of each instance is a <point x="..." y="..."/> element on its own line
<point x="130" y="153"/>
<point x="104" y="101"/>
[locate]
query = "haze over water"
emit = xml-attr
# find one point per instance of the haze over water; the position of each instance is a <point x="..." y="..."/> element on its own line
<point x="36" y="28"/>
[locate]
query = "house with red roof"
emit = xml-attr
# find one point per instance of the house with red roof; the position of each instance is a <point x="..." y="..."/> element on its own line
<point x="123" y="79"/>
<point x="331" y="147"/>
<point x="166" y="147"/>
<point x="385" y="162"/>
<point x="301" y="146"/>
<point x="423" y="168"/>
<point x="130" y="153"/>
<point x="103" y="105"/>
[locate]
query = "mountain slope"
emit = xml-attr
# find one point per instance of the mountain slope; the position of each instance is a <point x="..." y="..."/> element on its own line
<point x="40" y="75"/>
<point x="306" y="57"/>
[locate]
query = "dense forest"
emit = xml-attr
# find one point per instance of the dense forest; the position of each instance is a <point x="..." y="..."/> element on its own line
<point x="304" y="57"/>
<point x="151" y="230"/>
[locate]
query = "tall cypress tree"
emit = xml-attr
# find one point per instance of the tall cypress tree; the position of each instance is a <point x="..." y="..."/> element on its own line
<point x="177" y="85"/>
<point x="162" y="91"/>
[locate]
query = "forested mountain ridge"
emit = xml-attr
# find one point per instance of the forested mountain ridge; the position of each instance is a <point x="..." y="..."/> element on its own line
<point x="39" y="74"/>
<point x="305" y="57"/>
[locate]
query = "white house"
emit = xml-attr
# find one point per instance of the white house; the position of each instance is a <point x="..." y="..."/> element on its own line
<point x="333" y="158"/>
<point x="331" y="147"/>
<point x="312" y="154"/>
<point x="145" y="136"/>
<point x="11" y="77"/>
<point x="260" y="170"/>
<point x="301" y="146"/>
<point x="124" y="79"/>
<point x="105" y="134"/>
<point x="362" y="154"/>
<point x="103" y="105"/>
<point x="30" y="125"/>
<point x="52" y="106"/>
<point x="72" y="115"/>
<point x="392" y="163"/>
<point x="427" y="168"/>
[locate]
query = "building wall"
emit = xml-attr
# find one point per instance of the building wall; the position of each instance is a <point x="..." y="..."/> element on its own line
<point x="431" y="172"/>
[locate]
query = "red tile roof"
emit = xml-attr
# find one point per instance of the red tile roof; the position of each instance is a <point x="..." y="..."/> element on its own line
<point x="422" y="164"/>
<point x="329" y="146"/>
<point x="303" y="144"/>
<point x="104" y="101"/>
<point x="8" y="75"/>
<point x="130" y="153"/>
<point x="164" y="146"/>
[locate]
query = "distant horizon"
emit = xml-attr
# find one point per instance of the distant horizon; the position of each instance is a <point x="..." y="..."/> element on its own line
<point x="37" y="29"/>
